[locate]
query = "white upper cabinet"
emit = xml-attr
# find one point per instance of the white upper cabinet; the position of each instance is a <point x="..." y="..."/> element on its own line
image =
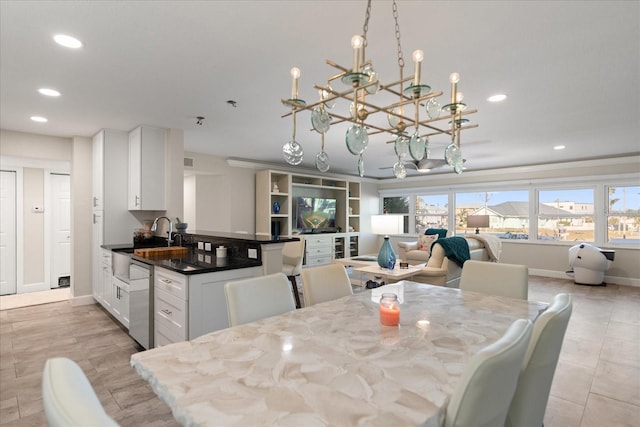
<point x="147" y="148"/>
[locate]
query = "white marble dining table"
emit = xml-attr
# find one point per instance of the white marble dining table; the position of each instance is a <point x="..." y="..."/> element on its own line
<point x="333" y="364"/>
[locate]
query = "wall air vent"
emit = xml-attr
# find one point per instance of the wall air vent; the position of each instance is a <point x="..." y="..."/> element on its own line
<point x="188" y="162"/>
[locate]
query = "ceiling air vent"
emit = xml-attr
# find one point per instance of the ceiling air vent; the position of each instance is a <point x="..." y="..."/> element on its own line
<point x="188" y="162"/>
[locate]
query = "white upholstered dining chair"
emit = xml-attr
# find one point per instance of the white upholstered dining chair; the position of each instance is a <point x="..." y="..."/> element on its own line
<point x="532" y="394"/>
<point x="325" y="283"/>
<point x="292" y="255"/>
<point x="258" y="297"/>
<point x="68" y="398"/>
<point x="485" y="390"/>
<point x="508" y="280"/>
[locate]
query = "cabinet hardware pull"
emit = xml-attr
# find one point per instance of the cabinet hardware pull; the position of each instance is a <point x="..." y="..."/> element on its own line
<point x="95" y="202"/>
<point x="166" y="281"/>
<point x="137" y="200"/>
<point x="167" y="312"/>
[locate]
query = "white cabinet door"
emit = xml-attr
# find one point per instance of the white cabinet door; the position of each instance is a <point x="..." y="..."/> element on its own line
<point x="120" y="301"/>
<point x="96" y="253"/>
<point x="98" y="171"/>
<point x="135" y="166"/>
<point x="147" y="148"/>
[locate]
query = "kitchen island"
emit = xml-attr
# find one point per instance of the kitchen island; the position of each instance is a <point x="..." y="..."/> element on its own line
<point x="185" y="293"/>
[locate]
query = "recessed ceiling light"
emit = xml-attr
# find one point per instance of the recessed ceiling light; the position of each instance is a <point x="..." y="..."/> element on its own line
<point x="67" y="41"/>
<point x="48" y="92"/>
<point x="497" y="98"/>
<point x="39" y="119"/>
<point x="559" y="147"/>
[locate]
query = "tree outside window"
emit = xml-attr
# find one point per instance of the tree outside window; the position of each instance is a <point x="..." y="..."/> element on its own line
<point x="397" y="205"/>
<point x="623" y="218"/>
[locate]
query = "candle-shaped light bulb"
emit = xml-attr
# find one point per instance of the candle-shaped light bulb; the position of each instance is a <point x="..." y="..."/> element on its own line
<point x="454" y="78"/>
<point x="295" y="74"/>
<point x="356" y="43"/>
<point x="459" y="97"/>
<point x="418" y="56"/>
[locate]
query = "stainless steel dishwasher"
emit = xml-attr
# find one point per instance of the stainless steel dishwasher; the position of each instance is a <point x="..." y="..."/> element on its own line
<point x="141" y="303"/>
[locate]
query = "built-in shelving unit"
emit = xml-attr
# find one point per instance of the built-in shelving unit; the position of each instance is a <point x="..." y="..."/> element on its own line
<point x="283" y="188"/>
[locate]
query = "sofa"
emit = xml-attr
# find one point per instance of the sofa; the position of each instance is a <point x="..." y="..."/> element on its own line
<point x="440" y="270"/>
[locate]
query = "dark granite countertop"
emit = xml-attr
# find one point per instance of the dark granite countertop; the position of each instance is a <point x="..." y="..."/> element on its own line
<point x="198" y="261"/>
<point x="194" y="262"/>
<point x="253" y="238"/>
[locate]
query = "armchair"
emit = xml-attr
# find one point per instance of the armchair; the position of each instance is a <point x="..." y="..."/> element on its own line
<point x="440" y="270"/>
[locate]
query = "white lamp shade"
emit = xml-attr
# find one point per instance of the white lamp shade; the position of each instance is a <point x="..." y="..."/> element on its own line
<point x="477" y="221"/>
<point x="387" y="224"/>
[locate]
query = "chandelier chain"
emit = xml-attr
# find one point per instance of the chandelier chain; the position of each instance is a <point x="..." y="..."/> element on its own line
<point x="395" y="17"/>
<point x="365" y="27"/>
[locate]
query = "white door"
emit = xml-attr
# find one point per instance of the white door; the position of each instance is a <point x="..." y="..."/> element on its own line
<point x="8" y="248"/>
<point x="60" y="228"/>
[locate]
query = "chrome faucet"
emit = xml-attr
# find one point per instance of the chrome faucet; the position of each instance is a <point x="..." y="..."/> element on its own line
<point x="154" y="227"/>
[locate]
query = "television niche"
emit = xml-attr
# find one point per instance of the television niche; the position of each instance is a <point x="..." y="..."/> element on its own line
<point x="314" y="214"/>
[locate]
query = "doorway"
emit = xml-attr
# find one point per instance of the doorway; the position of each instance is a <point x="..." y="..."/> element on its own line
<point x="58" y="228"/>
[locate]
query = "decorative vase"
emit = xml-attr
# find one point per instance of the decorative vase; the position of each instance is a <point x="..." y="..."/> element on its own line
<point x="276" y="207"/>
<point x="386" y="256"/>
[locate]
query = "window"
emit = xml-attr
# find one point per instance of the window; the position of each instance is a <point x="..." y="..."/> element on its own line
<point x="623" y="218"/>
<point x="508" y="212"/>
<point x="566" y="215"/>
<point x="397" y="205"/>
<point x="432" y="211"/>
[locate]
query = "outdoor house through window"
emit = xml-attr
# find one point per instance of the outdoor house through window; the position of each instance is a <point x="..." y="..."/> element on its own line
<point x="508" y="212"/>
<point x="566" y="215"/>
<point x="587" y="211"/>
<point x="432" y="211"/>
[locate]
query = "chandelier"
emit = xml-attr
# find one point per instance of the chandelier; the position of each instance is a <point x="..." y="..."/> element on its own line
<point x="410" y="135"/>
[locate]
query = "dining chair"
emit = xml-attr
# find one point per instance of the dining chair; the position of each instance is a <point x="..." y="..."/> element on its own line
<point x="484" y="392"/>
<point x="508" y="280"/>
<point x="292" y="255"/>
<point x="258" y="297"/>
<point x="325" y="283"/>
<point x="532" y="394"/>
<point x="68" y="398"/>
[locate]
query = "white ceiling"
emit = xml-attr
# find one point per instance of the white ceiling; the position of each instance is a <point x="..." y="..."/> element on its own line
<point x="571" y="70"/>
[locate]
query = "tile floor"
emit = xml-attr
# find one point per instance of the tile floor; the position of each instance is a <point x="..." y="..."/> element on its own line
<point x="597" y="382"/>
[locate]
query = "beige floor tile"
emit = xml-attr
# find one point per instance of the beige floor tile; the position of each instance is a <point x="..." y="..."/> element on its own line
<point x="627" y="312"/>
<point x="561" y="413"/>
<point x="30" y="406"/>
<point x="9" y="410"/>
<point x="621" y="382"/>
<point x="601" y="411"/>
<point x="579" y="351"/>
<point x="619" y="351"/>
<point x="572" y="382"/>
<point x="623" y="331"/>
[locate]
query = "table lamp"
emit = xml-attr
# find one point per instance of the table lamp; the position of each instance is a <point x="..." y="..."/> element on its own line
<point x="386" y="225"/>
<point x="477" y="221"/>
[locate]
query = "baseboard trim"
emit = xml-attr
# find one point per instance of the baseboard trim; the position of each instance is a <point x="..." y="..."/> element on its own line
<point x="82" y="300"/>
<point x="626" y="281"/>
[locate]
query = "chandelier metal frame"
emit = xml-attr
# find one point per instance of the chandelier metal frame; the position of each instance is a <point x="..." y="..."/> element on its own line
<point x="364" y="82"/>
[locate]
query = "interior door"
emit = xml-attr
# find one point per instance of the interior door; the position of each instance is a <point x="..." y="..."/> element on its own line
<point x="8" y="248"/>
<point x="60" y="228"/>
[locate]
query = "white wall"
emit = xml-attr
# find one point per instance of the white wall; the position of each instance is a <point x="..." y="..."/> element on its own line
<point x="81" y="219"/>
<point x="225" y="195"/>
<point x="33" y="236"/>
<point x="33" y="146"/>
